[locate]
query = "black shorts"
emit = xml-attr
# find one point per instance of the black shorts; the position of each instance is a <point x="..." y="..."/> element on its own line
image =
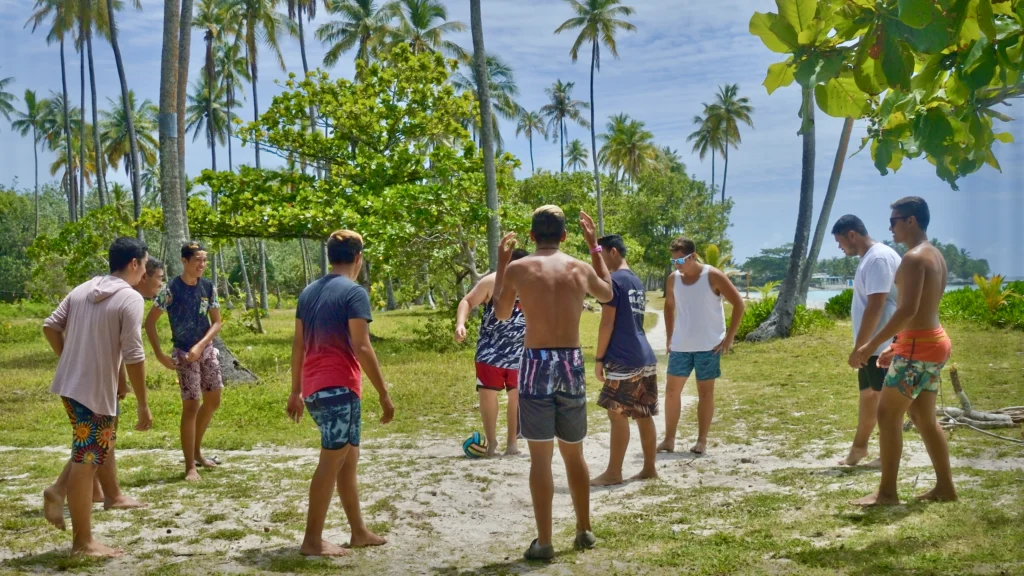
<point x="871" y="376"/>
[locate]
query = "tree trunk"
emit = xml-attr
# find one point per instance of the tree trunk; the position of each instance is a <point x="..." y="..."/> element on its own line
<point x="101" y="177"/>
<point x="231" y="102"/>
<point x="826" y="211"/>
<point x="780" y="321"/>
<point x="389" y="287"/>
<point x="133" y="142"/>
<point x="305" y="70"/>
<point x="175" y="233"/>
<point x="184" y="48"/>
<point x="486" y="133"/>
<point x="323" y="258"/>
<point x="305" y="262"/>
<point x="593" y="143"/>
<point x="250" y="303"/>
<point x="712" y="174"/>
<point x="211" y="74"/>
<point x="561" y="142"/>
<point x="69" y="171"/>
<point x="81" y="127"/>
<point x="261" y="247"/>
<point x="725" y="171"/>
<point x="35" y="158"/>
<point x="533" y="170"/>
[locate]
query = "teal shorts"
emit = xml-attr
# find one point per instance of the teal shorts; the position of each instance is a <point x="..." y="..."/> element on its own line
<point x="708" y="365"/>
<point x="338" y="414"/>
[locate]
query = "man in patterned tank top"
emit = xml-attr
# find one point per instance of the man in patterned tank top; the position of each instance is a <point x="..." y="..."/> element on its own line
<point x="498" y="352"/>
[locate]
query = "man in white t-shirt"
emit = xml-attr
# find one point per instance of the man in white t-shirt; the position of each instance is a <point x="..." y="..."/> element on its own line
<point x="874" y="301"/>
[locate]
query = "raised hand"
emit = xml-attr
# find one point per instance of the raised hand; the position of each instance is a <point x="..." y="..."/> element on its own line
<point x="505" y="248"/>
<point x="589" y="230"/>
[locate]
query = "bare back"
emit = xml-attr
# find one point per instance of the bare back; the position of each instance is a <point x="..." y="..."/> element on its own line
<point x="551" y="289"/>
<point x="922" y="274"/>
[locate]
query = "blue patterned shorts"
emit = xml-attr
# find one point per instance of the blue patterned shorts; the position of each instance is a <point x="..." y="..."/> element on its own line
<point x="338" y="414"/>
<point x="708" y="365"/>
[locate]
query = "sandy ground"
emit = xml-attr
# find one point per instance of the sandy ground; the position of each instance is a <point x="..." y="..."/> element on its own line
<point x="446" y="514"/>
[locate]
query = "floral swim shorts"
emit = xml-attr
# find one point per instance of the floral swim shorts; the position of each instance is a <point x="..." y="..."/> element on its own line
<point x="93" y="434"/>
<point x="911" y="377"/>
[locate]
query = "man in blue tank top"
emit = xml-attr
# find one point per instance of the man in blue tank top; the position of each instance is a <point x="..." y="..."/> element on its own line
<point x="696" y="336"/>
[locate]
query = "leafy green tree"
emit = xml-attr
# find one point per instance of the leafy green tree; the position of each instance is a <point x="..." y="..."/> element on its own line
<point x="563" y="107"/>
<point x="769" y="265"/>
<point x="31" y="122"/>
<point x="577" y="155"/>
<point x="531" y="123"/>
<point x="16" y="233"/>
<point x="361" y="24"/>
<point x="598" y="21"/>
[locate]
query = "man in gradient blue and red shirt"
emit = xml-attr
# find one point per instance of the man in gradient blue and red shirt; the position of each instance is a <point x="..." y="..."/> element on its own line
<point x="330" y="350"/>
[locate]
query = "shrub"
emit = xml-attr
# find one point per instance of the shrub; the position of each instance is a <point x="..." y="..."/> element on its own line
<point x="970" y="305"/>
<point x="756" y="313"/>
<point x="807" y="321"/>
<point x="17" y="333"/>
<point x="438" y="334"/>
<point x="840" y="305"/>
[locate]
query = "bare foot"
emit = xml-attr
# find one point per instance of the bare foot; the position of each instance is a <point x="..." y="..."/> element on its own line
<point x="123" y="502"/>
<point x="322" y="549"/>
<point x="492" y="450"/>
<point x="366" y="539"/>
<point x="97" y="494"/>
<point x="936" y="495"/>
<point x="875" y="464"/>
<point x="95" y="550"/>
<point x="667" y="445"/>
<point x="607" y="479"/>
<point x="876" y="499"/>
<point x="53" y="508"/>
<point x="512" y="449"/>
<point x="855" y="456"/>
<point x="699" y="446"/>
<point x="192" y="475"/>
<point x="646" y="474"/>
<point x="205" y="462"/>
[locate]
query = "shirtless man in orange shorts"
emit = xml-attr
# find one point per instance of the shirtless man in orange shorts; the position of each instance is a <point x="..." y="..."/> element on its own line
<point x="915" y="360"/>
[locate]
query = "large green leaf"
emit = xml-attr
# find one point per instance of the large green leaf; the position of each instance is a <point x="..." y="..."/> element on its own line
<point x="818" y="68"/>
<point x="934" y="131"/>
<point x="980" y="65"/>
<point x="798" y="13"/>
<point x="841" y="98"/>
<point x="986" y="19"/>
<point x="867" y="71"/>
<point x="897" y="62"/>
<point x="1004" y="137"/>
<point x="761" y="26"/>
<point x="929" y="78"/>
<point x="780" y="75"/>
<point x="916" y="13"/>
<point x="883" y="151"/>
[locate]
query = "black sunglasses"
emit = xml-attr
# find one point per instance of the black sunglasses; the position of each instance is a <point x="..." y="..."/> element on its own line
<point x="895" y="219"/>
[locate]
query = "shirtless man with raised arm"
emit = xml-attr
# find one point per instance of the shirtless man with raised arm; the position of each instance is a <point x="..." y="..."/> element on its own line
<point x="915" y="359"/>
<point x="552" y="392"/>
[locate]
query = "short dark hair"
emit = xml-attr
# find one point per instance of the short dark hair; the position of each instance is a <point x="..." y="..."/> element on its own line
<point x="519" y="254"/>
<point x="914" y="206"/>
<point x="849" y="223"/>
<point x="548" y="224"/>
<point x="683" y="245"/>
<point x="124" y="251"/>
<point x="189" y="249"/>
<point x="613" y="241"/>
<point x="152" y="265"/>
<point x="343" y="246"/>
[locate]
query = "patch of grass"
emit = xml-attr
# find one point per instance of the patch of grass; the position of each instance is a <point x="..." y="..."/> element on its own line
<point x="214" y="518"/>
<point x="230" y="534"/>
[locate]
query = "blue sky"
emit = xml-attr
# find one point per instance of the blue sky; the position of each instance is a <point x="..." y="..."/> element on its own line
<point x="681" y="52"/>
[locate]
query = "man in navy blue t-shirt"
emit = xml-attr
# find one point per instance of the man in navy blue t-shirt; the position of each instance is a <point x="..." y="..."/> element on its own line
<point x="627" y="366"/>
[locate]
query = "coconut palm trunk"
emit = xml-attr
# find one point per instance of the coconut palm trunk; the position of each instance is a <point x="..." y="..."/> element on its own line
<point x="305" y="70"/>
<point x="35" y="158"/>
<point x="101" y="176"/>
<point x="184" y="50"/>
<point x="81" y="126"/>
<point x="256" y="145"/>
<point x="593" y="141"/>
<point x="725" y="171"/>
<point x="780" y="322"/>
<point x="533" y="170"/>
<point x="486" y="132"/>
<point x="211" y="135"/>
<point x="133" y="142"/>
<point x="826" y="211"/>
<point x="175" y="233"/>
<point x="69" y="170"/>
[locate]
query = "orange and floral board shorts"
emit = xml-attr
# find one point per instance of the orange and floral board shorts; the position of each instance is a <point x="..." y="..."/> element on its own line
<point x="93" y="434"/>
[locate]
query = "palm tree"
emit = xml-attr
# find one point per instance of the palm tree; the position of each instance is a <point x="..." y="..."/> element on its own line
<point x="708" y="137"/>
<point x="488" y="128"/>
<point x="598" y="22"/>
<point x="628" y="147"/>
<point x="730" y="111"/>
<point x="233" y="71"/>
<point x="92" y="16"/>
<point x="561" y="108"/>
<point x="211" y="17"/>
<point x="502" y="88"/>
<point x="115" y="136"/>
<point x="362" y="24"/>
<point x="82" y="164"/>
<point x="30" y="121"/>
<point x="669" y="160"/>
<point x="576" y="155"/>
<point x="62" y="23"/>
<point x="201" y="109"/>
<point x="422" y="24"/>
<point x="530" y="123"/>
<point x="133" y="145"/>
<point x="260" y="23"/>
<point x="175" y="226"/>
<point x="6" y="98"/>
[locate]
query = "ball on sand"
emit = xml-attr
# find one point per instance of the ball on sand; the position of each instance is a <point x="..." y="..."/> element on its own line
<point x="475" y="446"/>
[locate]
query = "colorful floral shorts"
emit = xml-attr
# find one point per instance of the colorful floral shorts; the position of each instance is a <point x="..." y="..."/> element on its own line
<point x="200" y="376"/>
<point x="93" y="434"/>
<point x="911" y="377"/>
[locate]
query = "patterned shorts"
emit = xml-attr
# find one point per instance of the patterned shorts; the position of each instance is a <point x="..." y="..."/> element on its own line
<point x="200" y="376"/>
<point x="93" y="434"/>
<point x="708" y="365"/>
<point x="911" y="377"/>
<point x="553" y="395"/>
<point x="634" y="395"/>
<point x="338" y="414"/>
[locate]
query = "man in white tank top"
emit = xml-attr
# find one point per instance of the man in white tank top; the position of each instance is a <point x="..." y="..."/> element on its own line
<point x="697" y="337"/>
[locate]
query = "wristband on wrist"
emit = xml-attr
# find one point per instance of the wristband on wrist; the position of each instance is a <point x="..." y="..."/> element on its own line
<point x="596" y="250"/>
<point x="601" y="360"/>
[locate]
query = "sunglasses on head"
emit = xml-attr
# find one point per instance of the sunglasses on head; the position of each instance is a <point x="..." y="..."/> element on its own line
<point x="681" y="261"/>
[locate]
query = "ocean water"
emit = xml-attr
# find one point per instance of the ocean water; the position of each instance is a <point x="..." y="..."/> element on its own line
<point x="817" y="298"/>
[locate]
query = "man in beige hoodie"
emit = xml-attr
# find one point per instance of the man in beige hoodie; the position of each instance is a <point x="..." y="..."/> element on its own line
<point x="93" y="330"/>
